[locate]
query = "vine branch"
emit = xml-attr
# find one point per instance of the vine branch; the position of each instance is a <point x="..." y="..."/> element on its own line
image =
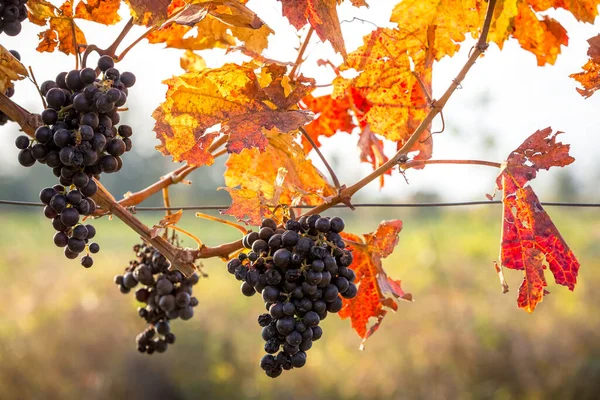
<point x="301" y="52"/>
<point x="334" y="178"/>
<point x="437" y="107"/>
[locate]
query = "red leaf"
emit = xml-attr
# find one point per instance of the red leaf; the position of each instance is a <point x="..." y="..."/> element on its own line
<point x="528" y="235"/>
<point x="375" y="289"/>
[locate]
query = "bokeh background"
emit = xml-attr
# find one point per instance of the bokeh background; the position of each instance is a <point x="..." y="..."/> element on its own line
<point x="66" y="332"/>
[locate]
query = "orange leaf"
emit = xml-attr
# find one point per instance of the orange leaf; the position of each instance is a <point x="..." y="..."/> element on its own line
<point x="583" y="10"/>
<point x="332" y="116"/>
<point x="61" y="26"/>
<point x="225" y="21"/>
<point x="375" y="289"/>
<point x="102" y="11"/>
<point x="590" y="78"/>
<point x="230" y="96"/>
<point x="528" y="234"/>
<point x="192" y="62"/>
<point x="322" y="16"/>
<point x="149" y="12"/>
<point x="279" y="175"/>
<point x="247" y="206"/>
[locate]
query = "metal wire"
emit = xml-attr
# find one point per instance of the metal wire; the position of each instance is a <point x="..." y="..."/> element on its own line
<point x="357" y="205"/>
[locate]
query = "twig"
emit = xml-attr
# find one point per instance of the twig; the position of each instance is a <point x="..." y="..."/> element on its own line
<point x="334" y="178"/>
<point x="135" y="42"/>
<point x="172" y="178"/>
<point x="181" y="259"/>
<point x="110" y="50"/>
<point x="414" y="163"/>
<point x="75" y="47"/>
<point x="301" y="52"/>
<point x="32" y="79"/>
<point x="222" y="221"/>
<point x="347" y="194"/>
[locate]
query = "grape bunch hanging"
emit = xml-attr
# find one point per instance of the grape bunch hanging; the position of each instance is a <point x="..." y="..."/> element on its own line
<point x="12" y="13"/>
<point x="167" y="295"/>
<point x="10" y="91"/>
<point x="302" y="272"/>
<point x="79" y="141"/>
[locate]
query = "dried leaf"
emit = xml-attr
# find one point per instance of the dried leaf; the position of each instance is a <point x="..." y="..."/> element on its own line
<point x="102" y="11"/>
<point x="279" y="175"/>
<point x="11" y="70"/>
<point x="582" y="10"/>
<point x="247" y="206"/>
<point x="528" y="235"/>
<point x="213" y="32"/>
<point x="61" y="26"/>
<point x="192" y="62"/>
<point x="149" y="12"/>
<point x="322" y="16"/>
<point x="375" y="289"/>
<point x="169" y="220"/>
<point x="590" y="78"/>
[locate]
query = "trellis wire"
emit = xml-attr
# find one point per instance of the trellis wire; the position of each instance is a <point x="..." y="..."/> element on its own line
<point x="357" y="205"/>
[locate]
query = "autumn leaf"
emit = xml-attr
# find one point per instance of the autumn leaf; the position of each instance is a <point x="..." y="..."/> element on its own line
<point x="192" y="62"/>
<point x="61" y="26"/>
<point x="11" y="70"/>
<point x="102" y="11"/>
<point x="321" y="15"/>
<point x="528" y="234"/>
<point x="280" y="175"/>
<point x="332" y="116"/>
<point x="376" y="291"/>
<point x="149" y="12"/>
<point x="590" y="78"/>
<point x="219" y="24"/>
<point x="230" y="96"/>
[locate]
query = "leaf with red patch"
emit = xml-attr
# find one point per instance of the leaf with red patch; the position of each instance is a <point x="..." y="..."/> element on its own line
<point x="529" y="237"/>
<point x="375" y="289"/>
<point x="321" y="15"/>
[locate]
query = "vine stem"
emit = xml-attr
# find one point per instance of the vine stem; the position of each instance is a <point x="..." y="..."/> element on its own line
<point x="110" y="50"/>
<point x="301" y="52"/>
<point x="346" y="194"/>
<point x="181" y="259"/>
<point x="414" y="163"/>
<point x="135" y="42"/>
<point x="170" y="179"/>
<point x="334" y="178"/>
<point x="27" y="121"/>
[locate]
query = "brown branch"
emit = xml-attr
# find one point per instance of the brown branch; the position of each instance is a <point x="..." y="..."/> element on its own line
<point x="414" y="163"/>
<point x="110" y="50"/>
<point x="29" y="122"/>
<point x="223" y="251"/>
<point x="438" y="105"/>
<point x="172" y="178"/>
<point x="334" y="178"/>
<point x="135" y="42"/>
<point x="181" y="259"/>
<point x="301" y="52"/>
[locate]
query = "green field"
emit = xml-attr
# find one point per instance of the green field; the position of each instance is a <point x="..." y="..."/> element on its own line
<point x="67" y="332"/>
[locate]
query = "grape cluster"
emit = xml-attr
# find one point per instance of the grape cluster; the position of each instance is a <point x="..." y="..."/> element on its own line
<point x="167" y="295"/>
<point x="79" y="141"/>
<point x="10" y="91"/>
<point x="12" y="13"/>
<point x="302" y="272"/>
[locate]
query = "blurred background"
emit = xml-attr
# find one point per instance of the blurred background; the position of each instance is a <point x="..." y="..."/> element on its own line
<point x="66" y="332"/>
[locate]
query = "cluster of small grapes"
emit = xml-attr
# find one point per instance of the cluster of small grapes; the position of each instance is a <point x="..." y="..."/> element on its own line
<point x="12" y="13"/>
<point x="167" y="295"/>
<point x="10" y="91"/>
<point x="79" y="141"/>
<point x="301" y="272"/>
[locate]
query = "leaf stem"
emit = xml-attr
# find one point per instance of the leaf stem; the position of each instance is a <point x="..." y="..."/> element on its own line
<point x="301" y="52"/>
<point x="334" y="178"/>
<point x="110" y="50"/>
<point x="135" y="42"/>
<point x="222" y="221"/>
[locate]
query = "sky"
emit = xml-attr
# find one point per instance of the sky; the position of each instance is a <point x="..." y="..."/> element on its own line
<point x="505" y="98"/>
